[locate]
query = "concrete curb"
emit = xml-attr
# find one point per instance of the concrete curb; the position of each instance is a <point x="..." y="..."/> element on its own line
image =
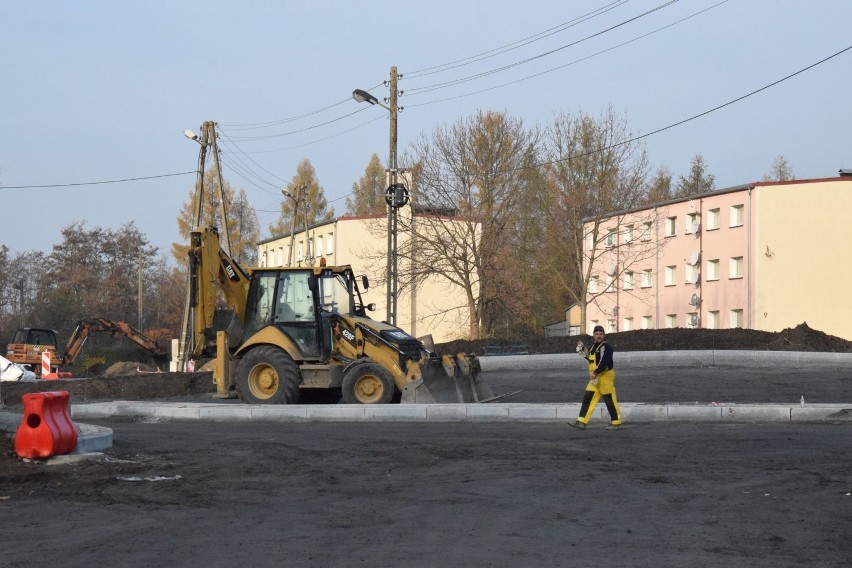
<point x="492" y="412"/>
<point x="90" y="438"/>
<point x="673" y="358"/>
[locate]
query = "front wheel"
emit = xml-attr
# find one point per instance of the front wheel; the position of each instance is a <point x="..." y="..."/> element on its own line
<point x="267" y="375"/>
<point x="367" y="383"/>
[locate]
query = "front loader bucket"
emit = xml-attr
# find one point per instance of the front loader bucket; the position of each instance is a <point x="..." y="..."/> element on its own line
<point x="448" y="380"/>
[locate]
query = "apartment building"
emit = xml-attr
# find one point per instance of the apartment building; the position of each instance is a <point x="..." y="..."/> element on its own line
<point x="434" y="308"/>
<point x="765" y="256"/>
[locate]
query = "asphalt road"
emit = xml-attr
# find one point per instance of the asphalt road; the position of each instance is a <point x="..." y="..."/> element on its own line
<point x="688" y="384"/>
<point x="184" y="494"/>
<point x="654" y="494"/>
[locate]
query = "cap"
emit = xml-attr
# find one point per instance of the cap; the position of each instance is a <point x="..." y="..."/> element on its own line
<point x="598" y="328"/>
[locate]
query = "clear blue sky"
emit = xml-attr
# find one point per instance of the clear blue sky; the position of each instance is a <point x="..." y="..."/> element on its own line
<point x="101" y="90"/>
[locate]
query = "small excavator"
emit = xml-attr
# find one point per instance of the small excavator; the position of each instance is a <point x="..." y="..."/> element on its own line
<point x="28" y="344"/>
<point x="306" y="327"/>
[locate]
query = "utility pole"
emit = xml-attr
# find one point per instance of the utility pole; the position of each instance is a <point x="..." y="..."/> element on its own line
<point x="396" y="195"/>
<point x="392" y="211"/>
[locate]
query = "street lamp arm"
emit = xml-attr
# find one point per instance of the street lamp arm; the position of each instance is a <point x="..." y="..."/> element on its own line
<point x="365" y="97"/>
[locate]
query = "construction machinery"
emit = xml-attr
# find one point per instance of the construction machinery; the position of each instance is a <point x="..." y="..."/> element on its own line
<point x="28" y="344"/>
<point x="295" y="328"/>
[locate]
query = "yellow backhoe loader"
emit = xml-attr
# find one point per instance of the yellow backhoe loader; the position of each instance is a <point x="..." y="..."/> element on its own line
<point x="294" y="328"/>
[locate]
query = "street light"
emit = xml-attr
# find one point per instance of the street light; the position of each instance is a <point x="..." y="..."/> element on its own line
<point x="393" y="204"/>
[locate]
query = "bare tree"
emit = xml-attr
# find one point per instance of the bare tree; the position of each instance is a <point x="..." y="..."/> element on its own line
<point x="596" y="170"/>
<point x="781" y="171"/>
<point x="466" y="180"/>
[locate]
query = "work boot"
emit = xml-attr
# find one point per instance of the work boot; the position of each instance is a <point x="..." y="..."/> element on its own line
<point x="577" y="424"/>
<point x="613" y="427"/>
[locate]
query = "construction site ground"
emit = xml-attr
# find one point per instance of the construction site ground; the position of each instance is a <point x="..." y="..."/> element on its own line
<point x="189" y="493"/>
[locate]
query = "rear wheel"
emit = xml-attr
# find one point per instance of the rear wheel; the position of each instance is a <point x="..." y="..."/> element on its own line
<point x="367" y="383"/>
<point x="267" y="375"/>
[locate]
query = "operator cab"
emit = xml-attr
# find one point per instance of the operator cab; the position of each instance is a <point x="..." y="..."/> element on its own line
<point x="300" y="302"/>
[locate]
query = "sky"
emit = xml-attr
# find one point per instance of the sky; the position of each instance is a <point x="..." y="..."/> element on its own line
<point x="96" y="92"/>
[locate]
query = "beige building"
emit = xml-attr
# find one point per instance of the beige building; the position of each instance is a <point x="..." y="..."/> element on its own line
<point x="435" y="308"/>
<point x="765" y="256"/>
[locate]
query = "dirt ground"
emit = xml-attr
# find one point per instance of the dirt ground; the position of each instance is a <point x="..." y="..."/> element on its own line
<point x="184" y="494"/>
<point x="467" y="494"/>
<point x="135" y="381"/>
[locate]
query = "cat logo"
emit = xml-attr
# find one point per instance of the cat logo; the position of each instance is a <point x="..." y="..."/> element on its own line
<point x="229" y="270"/>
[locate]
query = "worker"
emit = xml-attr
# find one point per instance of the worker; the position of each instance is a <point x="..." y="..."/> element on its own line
<point x="601" y="382"/>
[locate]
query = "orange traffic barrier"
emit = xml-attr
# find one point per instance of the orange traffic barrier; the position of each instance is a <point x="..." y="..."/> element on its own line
<point x="47" y="428"/>
<point x="57" y="375"/>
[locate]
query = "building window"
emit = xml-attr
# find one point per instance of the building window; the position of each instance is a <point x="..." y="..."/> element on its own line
<point x="329" y="244"/>
<point x="691" y="320"/>
<point x="610" y="326"/>
<point x="736" y="267"/>
<point x="671" y="226"/>
<point x="737" y="215"/>
<point x="280" y="256"/>
<point x="318" y="247"/>
<point x="713" y="269"/>
<point x="592" y="325"/>
<point x="671" y="274"/>
<point x="628" y="280"/>
<point x="693" y="223"/>
<point x="713" y="320"/>
<point x="610" y="284"/>
<point x="646" y="322"/>
<point x="610" y="238"/>
<point x="646" y="278"/>
<point x="628" y="234"/>
<point x="628" y="324"/>
<point x="736" y="318"/>
<point x="713" y="219"/>
<point x="646" y="231"/>
<point x="300" y="251"/>
<point x="671" y="321"/>
<point x="593" y="285"/>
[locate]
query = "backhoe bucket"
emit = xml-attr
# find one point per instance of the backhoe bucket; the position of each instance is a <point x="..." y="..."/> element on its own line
<point x="448" y="380"/>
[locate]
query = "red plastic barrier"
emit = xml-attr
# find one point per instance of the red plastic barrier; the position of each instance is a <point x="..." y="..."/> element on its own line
<point x="46" y="429"/>
<point x="57" y="375"/>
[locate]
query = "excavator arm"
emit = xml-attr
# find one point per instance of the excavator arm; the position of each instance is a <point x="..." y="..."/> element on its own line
<point x="85" y="328"/>
<point x="210" y="269"/>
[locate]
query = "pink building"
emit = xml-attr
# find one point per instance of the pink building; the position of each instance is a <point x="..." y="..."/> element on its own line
<point x="766" y="256"/>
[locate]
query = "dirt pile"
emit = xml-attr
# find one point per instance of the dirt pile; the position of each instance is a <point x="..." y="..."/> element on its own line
<point x="799" y="338"/>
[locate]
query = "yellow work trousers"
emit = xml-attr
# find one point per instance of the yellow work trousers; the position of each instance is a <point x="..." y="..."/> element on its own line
<point x="594" y="392"/>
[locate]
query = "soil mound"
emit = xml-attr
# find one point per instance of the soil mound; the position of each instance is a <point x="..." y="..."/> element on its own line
<point x="799" y="338"/>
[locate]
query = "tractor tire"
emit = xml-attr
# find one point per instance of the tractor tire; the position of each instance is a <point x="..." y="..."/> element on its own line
<point x="367" y="383"/>
<point x="267" y="375"/>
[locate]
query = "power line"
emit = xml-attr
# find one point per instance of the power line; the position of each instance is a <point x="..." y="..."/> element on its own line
<point x="94" y="182"/>
<point x="253" y="126"/>
<point x="691" y="118"/>
<point x="516" y="44"/>
<point x="574" y="62"/>
<point x="445" y="84"/>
